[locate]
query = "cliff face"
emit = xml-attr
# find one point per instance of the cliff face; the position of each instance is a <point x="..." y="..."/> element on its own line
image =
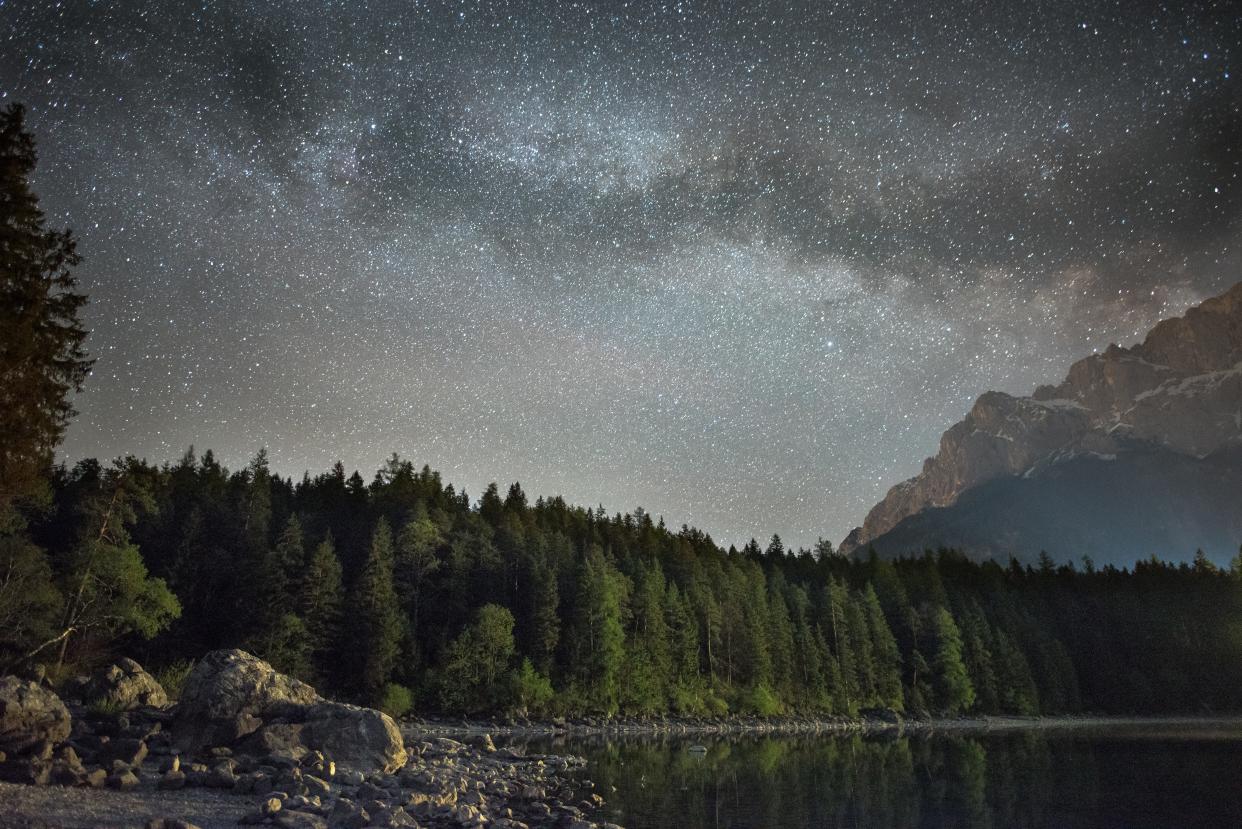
<point x="1178" y="392"/>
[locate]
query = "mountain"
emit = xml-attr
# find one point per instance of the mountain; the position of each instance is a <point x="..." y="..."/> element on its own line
<point x="1138" y="451"/>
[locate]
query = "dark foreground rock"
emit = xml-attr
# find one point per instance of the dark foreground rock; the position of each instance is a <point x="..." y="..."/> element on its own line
<point x="30" y="716"/>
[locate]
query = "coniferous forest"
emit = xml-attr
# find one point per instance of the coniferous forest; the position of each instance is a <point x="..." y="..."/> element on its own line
<point x="405" y="592"/>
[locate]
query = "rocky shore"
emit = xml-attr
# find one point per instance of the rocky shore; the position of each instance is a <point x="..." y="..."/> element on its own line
<point x="247" y="745"/>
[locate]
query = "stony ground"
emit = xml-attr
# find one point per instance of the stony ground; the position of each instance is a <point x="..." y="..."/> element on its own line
<point x="58" y="807"/>
<point x="247" y="745"/>
<point x="446" y="784"/>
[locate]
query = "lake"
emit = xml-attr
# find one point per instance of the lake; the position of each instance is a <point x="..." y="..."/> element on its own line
<point x="1144" y="775"/>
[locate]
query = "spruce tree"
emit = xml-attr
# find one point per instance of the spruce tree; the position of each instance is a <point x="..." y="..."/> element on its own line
<point x="278" y="633"/>
<point x="647" y="660"/>
<point x="416" y="562"/>
<point x="42" y="360"/>
<point x="376" y="630"/>
<point x="321" y="611"/>
<point x="886" y="653"/>
<point x="599" y="638"/>
<point x="950" y="679"/>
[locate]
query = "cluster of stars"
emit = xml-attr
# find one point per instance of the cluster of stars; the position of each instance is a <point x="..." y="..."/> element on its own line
<point x="738" y="265"/>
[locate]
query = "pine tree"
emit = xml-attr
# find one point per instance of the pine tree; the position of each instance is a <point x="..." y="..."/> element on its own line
<point x="41" y="336"/>
<point x="376" y="629"/>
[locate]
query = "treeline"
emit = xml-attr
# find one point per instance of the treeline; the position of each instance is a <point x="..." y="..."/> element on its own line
<point x="402" y="591"/>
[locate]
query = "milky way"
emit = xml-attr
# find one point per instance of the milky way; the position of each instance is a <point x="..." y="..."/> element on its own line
<point x="738" y="263"/>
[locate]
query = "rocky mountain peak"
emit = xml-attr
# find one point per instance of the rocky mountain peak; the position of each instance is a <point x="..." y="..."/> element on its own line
<point x="1180" y="390"/>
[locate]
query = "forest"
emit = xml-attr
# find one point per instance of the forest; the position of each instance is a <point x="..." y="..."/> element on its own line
<point x="406" y="593"/>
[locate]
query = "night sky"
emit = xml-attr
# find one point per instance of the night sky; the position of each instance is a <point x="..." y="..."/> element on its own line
<point x="739" y="263"/>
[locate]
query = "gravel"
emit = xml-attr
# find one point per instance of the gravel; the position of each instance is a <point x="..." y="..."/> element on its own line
<point x="56" y="807"/>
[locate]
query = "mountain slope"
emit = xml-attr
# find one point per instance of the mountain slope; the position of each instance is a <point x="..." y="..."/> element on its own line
<point x="1130" y="439"/>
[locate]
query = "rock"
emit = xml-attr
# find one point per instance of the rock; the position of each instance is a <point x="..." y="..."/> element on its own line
<point x="370" y="791"/>
<point x="347" y="815"/>
<point x="299" y="820"/>
<point x="172" y="780"/>
<point x="360" y="738"/>
<point x="467" y="815"/>
<point x="221" y="776"/>
<point x="263" y="784"/>
<point x="283" y="739"/>
<point x="300" y="802"/>
<point x="316" y="786"/>
<point x="31" y="771"/>
<point x="125" y="686"/>
<point x="95" y="778"/>
<point x="30" y="715"/>
<point x="229" y="694"/>
<point x="271" y="806"/>
<point x="392" y="818"/>
<point x="123" y="780"/>
<point x="129" y="750"/>
<point x="67" y="769"/>
<point x="349" y="777"/>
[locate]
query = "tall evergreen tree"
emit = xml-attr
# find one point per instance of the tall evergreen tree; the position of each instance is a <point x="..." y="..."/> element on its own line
<point x="320" y="608"/>
<point x="599" y="638"/>
<point x="416" y="561"/>
<point x="277" y="633"/>
<point x="42" y="360"/>
<point x="376" y="628"/>
<point x="954" y="692"/>
<point x="887" y="655"/>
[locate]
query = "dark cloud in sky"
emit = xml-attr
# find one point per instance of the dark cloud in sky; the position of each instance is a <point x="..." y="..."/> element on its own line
<point x="739" y="263"/>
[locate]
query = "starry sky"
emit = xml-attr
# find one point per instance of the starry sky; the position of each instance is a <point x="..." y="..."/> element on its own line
<point x="740" y="263"/>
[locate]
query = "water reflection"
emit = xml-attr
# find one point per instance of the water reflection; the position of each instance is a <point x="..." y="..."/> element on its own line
<point x="1113" y="778"/>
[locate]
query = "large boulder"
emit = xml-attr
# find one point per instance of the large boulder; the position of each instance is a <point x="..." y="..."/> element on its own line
<point x="229" y="694"/>
<point x="357" y="738"/>
<point x="125" y="686"/>
<point x="30" y="716"/>
<point x="232" y="697"/>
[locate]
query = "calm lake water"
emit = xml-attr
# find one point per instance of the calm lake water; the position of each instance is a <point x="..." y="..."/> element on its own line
<point x="1131" y="776"/>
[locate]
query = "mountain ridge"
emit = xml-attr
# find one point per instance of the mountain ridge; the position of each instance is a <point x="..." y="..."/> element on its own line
<point x="1177" y="392"/>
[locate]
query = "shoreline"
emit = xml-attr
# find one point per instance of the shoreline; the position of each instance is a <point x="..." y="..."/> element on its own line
<point x="795" y="726"/>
